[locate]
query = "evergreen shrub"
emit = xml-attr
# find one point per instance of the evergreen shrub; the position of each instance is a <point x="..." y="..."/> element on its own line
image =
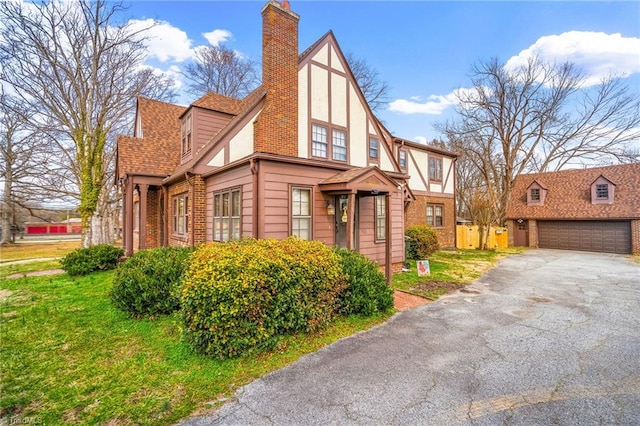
<point x="148" y="283"/>
<point x="83" y="261"/>
<point x="421" y="242"/>
<point x="367" y="291"/>
<point x="241" y="295"/>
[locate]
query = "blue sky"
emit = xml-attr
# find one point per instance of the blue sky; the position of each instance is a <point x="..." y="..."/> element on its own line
<point x="423" y="49"/>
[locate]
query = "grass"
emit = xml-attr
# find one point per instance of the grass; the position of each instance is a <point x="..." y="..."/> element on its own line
<point x="45" y="249"/>
<point x="450" y="269"/>
<point x="68" y="356"/>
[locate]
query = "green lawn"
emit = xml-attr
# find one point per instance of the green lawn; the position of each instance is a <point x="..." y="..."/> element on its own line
<point x="450" y="269"/>
<point x="68" y="356"/>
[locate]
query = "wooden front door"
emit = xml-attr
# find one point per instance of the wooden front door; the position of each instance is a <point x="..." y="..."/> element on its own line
<point x="521" y="234"/>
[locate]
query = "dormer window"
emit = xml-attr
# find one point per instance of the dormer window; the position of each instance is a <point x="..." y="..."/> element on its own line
<point x="602" y="191"/>
<point x="536" y="194"/>
<point x="186" y="135"/>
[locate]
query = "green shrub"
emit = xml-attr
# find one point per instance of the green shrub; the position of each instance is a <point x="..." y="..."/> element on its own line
<point x="421" y="243"/>
<point x="95" y="258"/>
<point x="242" y="295"/>
<point x="148" y="283"/>
<point x="367" y="291"/>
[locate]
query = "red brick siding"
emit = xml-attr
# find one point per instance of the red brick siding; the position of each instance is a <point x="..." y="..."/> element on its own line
<point x="153" y="218"/>
<point x="416" y="214"/>
<point x="276" y="130"/>
<point x="177" y="240"/>
<point x="199" y="220"/>
<point x="635" y="236"/>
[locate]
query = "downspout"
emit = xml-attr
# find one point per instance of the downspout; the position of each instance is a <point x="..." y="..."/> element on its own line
<point x="163" y="220"/>
<point x="253" y="166"/>
<point x="455" y="205"/>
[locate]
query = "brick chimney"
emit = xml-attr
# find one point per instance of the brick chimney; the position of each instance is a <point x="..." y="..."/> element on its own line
<point x="276" y="130"/>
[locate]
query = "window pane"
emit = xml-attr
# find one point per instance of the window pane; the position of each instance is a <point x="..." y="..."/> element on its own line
<point x="235" y="231"/>
<point x="319" y="141"/>
<point x="339" y="145"/>
<point x="403" y="159"/>
<point x="602" y="191"/>
<point x="225" y="204"/>
<point x="217" y="207"/>
<point x="381" y="217"/>
<point x="217" y="230"/>
<point x="430" y="215"/>
<point x="373" y="148"/>
<point x="235" y="210"/>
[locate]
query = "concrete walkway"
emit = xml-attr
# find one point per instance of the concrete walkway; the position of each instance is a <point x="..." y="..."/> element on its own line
<point x="546" y="337"/>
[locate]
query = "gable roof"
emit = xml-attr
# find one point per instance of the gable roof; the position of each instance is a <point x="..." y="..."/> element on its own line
<point x="569" y="194"/>
<point x="158" y="151"/>
<point x="369" y="178"/>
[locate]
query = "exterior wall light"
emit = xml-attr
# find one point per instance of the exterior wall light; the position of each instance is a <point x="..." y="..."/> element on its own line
<point x="331" y="209"/>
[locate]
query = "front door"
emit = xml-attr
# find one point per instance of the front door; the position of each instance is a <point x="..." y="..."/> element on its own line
<point x="342" y="216"/>
<point x="521" y="234"/>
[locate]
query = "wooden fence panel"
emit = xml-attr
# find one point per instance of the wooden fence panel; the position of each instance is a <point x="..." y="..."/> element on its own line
<point x="468" y="237"/>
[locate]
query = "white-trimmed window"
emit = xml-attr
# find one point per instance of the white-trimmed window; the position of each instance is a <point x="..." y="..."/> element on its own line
<point x="226" y="215"/>
<point x="181" y="214"/>
<point x="339" y="145"/>
<point x="319" y="141"/>
<point x="435" y="169"/>
<point x="381" y="217"/>
<point x="301" y="212"/>
<point x="435" y="216"/>
<point x="186" y="135"/>
<point x="374" y="148"/>
<point x="402" y="158"/>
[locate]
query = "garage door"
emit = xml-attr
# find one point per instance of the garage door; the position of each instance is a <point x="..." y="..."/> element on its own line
<point x="590" y="235"/>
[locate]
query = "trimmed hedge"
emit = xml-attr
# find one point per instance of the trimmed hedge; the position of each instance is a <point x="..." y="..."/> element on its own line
<point x="367" y="291"/>
<point x="241" y="295"/>
<point x="148" y="283"/>
<point x="422" y="242"/>
<point x="83" y="261"/>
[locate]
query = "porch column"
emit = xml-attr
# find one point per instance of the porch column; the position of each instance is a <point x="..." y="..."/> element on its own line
<point x="387" y="228"/>
<point x="142" y="243"/>
<point x="351" y="203"/>
<point x="128" y="217"/>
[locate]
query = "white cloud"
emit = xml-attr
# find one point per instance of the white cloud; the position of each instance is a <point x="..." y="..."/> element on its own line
<point x="435" y="104"/>
<point x="165" y="42"/>
<point x="216" y="37"/>
<point x="597" y="53"/>
<point x="420" y="139"/>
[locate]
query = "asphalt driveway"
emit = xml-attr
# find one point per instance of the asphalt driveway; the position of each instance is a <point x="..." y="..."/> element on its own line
<point x="546" y="338"/>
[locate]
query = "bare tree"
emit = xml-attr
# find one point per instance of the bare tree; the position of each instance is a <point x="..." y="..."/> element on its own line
<point x="222" y="70"/>
<point x="374" y="89"/>
<point x="80" y="70"/>
<point x="540" y="117"/>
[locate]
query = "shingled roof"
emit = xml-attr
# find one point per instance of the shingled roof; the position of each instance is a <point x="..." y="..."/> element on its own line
<point x="220" y="103"/>
<point x="569" y="194"/>
<point x="158" y="151"/>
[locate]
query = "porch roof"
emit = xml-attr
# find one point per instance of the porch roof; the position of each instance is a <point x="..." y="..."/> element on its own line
<point x="368" y="179"/>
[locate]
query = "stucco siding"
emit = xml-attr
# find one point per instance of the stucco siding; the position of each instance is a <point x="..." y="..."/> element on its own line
<point x="358" y="131"/>
<point x="319" y="93"/>
<point x="339" y="100"/>
<point x="303" y="113"/>
<point x="241" y="145"/>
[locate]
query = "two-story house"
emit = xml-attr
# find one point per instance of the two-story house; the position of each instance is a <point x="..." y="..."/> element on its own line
<point x="301" y="155"/>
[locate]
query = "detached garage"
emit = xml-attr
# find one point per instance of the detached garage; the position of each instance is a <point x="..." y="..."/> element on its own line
<point x="588" y="235"/>
<point x="594" y="210"/>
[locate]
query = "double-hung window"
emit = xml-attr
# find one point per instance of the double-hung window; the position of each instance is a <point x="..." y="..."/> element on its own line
<point x="186" y="135"/>
<point x="535" y="194"/>
<point x="339" y="145"/>
<point x="319" y="141"/>
<point x="381" y="217"/>
<point x="181" y="214"/>
<point x="435" y="216"/>
<point x="301" y="213"/>
<point x="435" y="169"/>
<point x="402" y="158"/>
<point x="373" y="148"/>
<point x="226" y="215"/>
